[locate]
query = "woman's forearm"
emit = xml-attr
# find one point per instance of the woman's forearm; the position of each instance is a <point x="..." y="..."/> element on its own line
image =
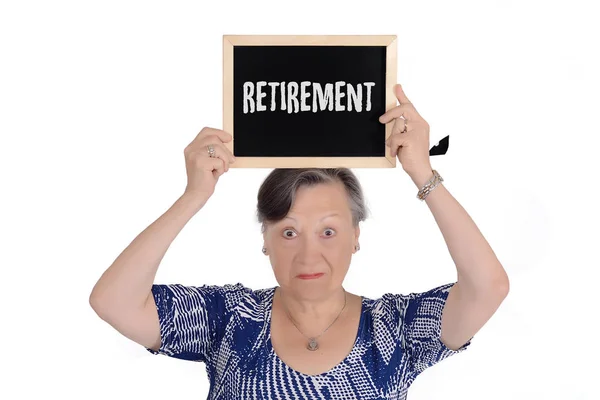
<point x="127" y="283"/>
<point x="479" y="270"/>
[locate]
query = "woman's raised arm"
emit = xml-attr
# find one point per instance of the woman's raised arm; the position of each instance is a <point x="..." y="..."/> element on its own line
<point x="123" y="294"/>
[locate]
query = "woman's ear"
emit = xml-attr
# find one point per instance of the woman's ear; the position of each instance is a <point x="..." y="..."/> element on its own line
<point x="264" y="235"/>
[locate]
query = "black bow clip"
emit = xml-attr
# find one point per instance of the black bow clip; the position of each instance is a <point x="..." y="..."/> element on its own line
<point x="441" y="147"/>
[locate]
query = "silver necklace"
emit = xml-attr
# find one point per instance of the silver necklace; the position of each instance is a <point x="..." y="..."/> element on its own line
<point x="312" y="345"/>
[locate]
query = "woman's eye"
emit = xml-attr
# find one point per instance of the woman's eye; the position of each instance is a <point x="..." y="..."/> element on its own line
<point x="331" y="230"/>
<point x="286" y="231"/>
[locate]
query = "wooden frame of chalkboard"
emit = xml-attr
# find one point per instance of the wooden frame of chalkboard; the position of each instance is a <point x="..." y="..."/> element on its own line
<point x="344" y="139"/>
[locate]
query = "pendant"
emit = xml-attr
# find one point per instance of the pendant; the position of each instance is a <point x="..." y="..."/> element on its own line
<point x="312" y="344"/>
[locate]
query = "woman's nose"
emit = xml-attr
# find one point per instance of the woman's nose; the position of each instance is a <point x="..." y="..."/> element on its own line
<point x="309" y="250"/>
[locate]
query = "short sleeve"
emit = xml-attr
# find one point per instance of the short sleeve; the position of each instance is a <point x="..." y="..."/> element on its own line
<point x="422" y="327"/>
<point x="192" y="319"/>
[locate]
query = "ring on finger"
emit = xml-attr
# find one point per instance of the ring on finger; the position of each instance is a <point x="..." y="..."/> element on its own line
<point x="405" y="126"/>
<point x="211" y="151"/>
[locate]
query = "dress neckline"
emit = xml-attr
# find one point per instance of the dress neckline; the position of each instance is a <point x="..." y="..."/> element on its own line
<point x="333" y="369"/>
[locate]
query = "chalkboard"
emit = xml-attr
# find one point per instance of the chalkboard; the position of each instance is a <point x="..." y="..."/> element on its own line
<point x="308" y="101"/>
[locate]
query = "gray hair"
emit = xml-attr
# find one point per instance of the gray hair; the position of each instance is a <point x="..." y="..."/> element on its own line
<point x="278" y="191"/>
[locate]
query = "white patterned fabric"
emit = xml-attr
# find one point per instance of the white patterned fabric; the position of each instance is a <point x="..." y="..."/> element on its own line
<point x="228" y="328"/>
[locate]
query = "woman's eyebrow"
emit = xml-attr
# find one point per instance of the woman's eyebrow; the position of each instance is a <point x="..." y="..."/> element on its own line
<point x="326" y="216"/>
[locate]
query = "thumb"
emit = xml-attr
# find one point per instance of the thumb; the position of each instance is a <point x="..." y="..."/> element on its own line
<point x="224" y="136"/>
<point x="400" y="95"/>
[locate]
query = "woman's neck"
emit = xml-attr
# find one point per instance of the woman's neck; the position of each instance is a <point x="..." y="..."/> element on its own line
<point x="309" y="311"/>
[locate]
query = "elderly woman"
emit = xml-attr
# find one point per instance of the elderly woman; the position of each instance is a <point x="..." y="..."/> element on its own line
<point x="307" y="338"/>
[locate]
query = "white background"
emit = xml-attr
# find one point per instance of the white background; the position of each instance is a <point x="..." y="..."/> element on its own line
<point x="99" y="99"/>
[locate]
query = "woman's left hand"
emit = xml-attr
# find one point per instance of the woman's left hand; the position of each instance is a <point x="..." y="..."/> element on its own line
<point x="412" y="146"/>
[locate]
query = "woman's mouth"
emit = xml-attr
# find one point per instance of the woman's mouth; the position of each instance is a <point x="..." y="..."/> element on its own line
<point x="311" y="276"/>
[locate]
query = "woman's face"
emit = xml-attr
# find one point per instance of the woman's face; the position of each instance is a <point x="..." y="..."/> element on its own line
<point x="311" y="240"/>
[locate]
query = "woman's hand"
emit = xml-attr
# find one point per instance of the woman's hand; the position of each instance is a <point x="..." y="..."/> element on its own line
<point x="203" y="171"/>
<point x="412" y="146"/>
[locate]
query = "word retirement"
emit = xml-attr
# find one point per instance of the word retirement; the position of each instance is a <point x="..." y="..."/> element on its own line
<point x="294" y="96"/>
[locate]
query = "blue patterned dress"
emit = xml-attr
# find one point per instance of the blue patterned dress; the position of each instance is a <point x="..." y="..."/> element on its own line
<point x="228" y="328"/>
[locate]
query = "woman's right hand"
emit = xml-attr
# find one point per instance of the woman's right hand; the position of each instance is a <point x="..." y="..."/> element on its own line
<point x="204" y="171"/>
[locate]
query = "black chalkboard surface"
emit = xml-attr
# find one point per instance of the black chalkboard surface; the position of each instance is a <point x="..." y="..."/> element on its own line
<point x="309" y="101"/>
